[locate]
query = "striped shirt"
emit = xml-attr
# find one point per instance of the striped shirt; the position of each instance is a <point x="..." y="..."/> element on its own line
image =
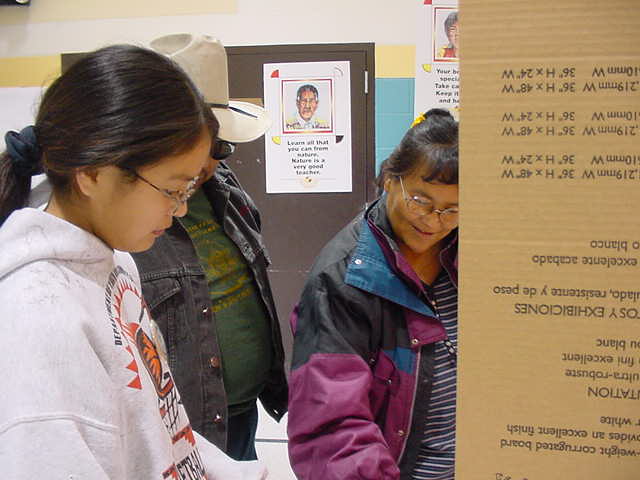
<point x="436" y="456"/>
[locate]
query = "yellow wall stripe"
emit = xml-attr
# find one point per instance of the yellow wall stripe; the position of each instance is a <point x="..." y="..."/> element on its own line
<point x="395" y="61"/>
<point x="29" y="71"/>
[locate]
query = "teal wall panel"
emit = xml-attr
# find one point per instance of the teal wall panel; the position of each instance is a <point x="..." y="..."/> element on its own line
<point x="394" y="113"/>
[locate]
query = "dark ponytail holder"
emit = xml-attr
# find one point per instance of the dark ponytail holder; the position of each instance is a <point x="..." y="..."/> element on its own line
<point x="26" y="156"/>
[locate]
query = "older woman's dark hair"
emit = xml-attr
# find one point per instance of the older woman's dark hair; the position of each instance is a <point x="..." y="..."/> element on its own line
<point x="378" y="182"/>
<point x="121" y="105"/>
<point x="432" y="143"/>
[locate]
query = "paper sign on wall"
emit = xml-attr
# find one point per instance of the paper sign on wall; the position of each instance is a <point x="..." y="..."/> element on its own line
<point x="437" y="72"/>
<point x="308" y="148"/>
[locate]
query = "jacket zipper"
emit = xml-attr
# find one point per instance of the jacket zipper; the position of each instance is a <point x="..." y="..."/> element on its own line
<point x="413" y="402"/>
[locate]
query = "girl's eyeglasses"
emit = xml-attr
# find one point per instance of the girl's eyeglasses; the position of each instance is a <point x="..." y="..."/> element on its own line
<point x="179" y="197"/>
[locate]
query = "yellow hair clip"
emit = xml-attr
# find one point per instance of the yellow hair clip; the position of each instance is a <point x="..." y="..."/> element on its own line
<point x="419" y="119"/>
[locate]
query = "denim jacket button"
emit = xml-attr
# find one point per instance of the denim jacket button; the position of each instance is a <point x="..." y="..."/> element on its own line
<point x="214" y="362"/>
<point x="357" y="261"/>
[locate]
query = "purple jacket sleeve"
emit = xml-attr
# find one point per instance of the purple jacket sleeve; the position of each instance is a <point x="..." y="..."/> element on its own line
<point x="331" y="429"/>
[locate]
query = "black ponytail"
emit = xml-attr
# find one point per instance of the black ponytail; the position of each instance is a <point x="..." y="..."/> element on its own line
<point x="14" y="189"/>
<point x="18" y="164"/>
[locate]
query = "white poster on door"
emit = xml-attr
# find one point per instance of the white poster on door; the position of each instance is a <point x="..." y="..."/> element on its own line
<point x="437" y="69"/>
<point x="308" y="148"/>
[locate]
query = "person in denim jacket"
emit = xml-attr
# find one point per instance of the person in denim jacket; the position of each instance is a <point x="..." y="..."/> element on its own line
<point x="206" y="280"/>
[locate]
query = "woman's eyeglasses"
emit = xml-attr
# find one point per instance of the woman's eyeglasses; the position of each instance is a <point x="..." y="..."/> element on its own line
<point x="421" y="207"/>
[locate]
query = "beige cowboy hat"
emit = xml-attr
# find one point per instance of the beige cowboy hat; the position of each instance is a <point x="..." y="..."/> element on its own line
<point x="205" y="61"/>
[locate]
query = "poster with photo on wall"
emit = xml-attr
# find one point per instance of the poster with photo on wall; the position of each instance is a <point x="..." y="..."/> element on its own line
<point x="437" y="56"/>
<point x="308" y="148"/>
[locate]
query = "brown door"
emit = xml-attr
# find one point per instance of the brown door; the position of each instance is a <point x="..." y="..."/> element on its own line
<point x="297" y="225"/>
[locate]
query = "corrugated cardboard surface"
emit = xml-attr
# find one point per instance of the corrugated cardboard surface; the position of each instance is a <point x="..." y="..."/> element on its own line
<point x="549" y="373"/>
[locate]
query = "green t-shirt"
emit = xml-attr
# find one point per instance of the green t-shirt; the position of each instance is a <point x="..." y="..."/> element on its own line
<point x="241" y="320"/>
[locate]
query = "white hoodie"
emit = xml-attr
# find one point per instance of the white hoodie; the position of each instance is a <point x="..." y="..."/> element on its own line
<point x="85" y="394"/>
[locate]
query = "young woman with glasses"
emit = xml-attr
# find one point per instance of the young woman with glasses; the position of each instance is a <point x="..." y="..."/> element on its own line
<point x="122" y="136"/>
<point x="373" y="381"/>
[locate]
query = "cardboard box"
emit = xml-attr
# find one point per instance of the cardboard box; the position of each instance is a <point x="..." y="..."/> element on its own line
<point x="549" y="371"/>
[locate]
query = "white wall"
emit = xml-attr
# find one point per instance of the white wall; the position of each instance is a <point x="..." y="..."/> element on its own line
<point x="257" y="22"/>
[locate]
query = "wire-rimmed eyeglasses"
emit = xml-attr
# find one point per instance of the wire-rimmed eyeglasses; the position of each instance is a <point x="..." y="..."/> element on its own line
<point x="421" y="207"/>
<point x="179" y="197"/>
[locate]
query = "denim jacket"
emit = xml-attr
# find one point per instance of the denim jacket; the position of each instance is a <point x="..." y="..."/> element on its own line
<point x="175" y="287"/>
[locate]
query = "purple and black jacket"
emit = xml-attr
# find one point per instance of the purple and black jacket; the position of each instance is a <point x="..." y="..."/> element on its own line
<point x="363" y="357"/>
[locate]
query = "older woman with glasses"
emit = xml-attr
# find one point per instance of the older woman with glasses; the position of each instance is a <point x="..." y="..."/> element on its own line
<point x="373" y="381"/>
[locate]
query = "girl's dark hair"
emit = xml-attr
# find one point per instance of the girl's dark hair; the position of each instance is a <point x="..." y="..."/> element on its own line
<point x="432" y="142"/>
<point x="121" y="105"/>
